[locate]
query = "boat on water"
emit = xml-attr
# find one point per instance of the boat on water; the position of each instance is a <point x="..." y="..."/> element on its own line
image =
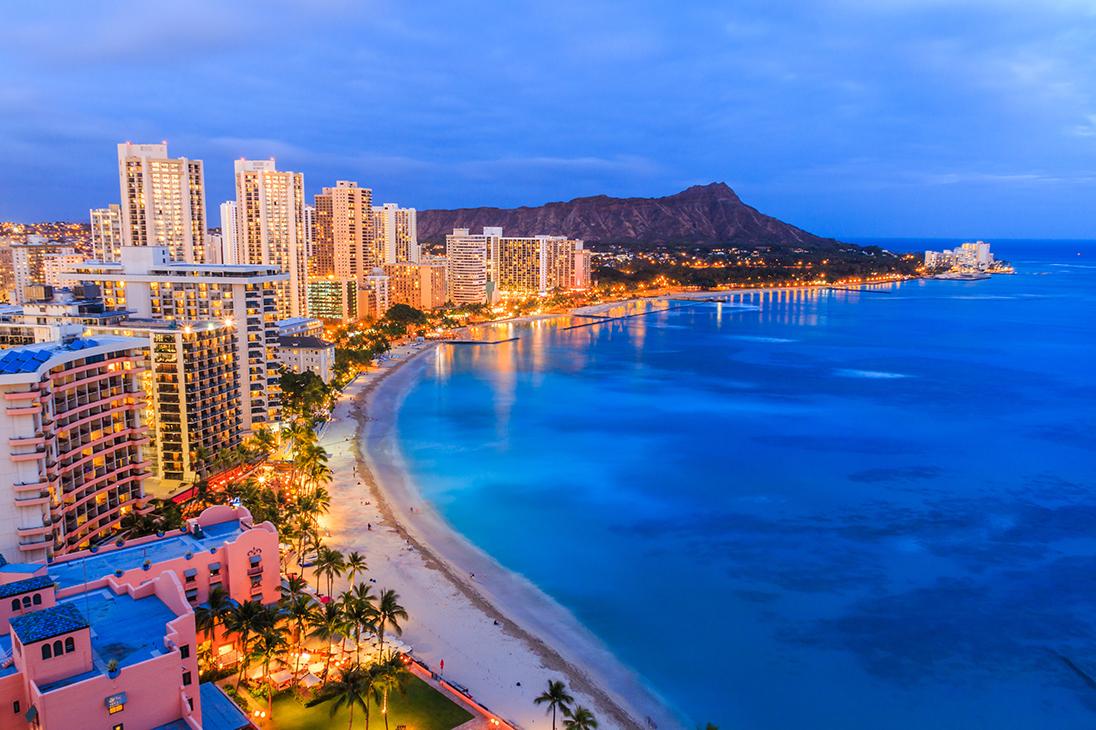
<point x="962" y="276"/>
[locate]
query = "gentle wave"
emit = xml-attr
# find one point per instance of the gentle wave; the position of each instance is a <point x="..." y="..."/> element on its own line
<point x="759" y="338"/>
<point x="870" y="374"/>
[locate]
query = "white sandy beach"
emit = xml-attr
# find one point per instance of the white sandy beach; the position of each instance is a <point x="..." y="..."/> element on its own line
<point x="498" y="634"/>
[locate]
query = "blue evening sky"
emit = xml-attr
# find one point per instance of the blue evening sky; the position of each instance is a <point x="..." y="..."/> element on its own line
<point x="846" y="117"/>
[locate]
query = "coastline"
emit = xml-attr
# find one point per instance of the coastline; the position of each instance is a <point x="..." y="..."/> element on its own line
<point x="493" y="628"/>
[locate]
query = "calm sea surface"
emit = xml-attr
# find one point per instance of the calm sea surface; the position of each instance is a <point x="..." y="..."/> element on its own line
<point x="803" y="509"/>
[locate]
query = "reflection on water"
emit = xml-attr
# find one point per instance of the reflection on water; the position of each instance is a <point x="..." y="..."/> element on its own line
<point x="846" y="548"/>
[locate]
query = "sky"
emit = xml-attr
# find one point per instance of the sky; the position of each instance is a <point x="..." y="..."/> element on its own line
<point x="897" y="118"/>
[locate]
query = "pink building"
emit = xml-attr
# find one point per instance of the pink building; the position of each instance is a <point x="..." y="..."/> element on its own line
<point x="72" y="426"/>
<point x="106" y="639"/>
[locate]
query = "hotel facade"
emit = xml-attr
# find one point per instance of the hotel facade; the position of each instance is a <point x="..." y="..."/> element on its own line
<point x="73" y="423"/>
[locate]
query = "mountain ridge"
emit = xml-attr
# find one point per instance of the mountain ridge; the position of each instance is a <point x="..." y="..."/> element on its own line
<point x="701" y="215"/>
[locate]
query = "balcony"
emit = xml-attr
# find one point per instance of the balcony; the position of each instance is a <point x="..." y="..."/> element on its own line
<point x="35" y="531"/>
<point x="32" y="499"/>
<point x="30" y="546"/>
<point x="27" y="441"/>
<point x="30" y="487"/>
<point x="31" y="410"/>
<point x="22" y="395"/>
<point x="39" y="453"/>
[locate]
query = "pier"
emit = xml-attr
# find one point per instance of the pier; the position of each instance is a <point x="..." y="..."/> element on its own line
<point x="480" y="342"/>
<point x="865" y="288"/>
<point x="600" y="320"/>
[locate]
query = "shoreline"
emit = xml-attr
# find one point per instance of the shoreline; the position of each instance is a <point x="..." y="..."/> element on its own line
<point x="496" y="623"/>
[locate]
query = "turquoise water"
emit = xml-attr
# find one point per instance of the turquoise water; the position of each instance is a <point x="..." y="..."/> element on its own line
<point x="803" y="509"/>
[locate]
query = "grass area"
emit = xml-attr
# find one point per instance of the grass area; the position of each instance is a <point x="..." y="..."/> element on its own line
<point x="420" y="708"/>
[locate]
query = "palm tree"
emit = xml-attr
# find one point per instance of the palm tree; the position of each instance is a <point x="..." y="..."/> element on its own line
<point x="270" y="644"/>
<point x="295" y="585"/>
<point x="390" y="673"/>
<point x="355" y="564"/>
<point x="556" y="697"/>
<point x="389" y="614"/>
<point x="329" y="563"/>
<point x="264" y="441"/>
<point x="359" y="614"/>
<point x="352" y="688"/>
<point x="579" y="719"/>
<point x="327" y="624"/>
<point x="297" y="610"/>
<point x="244" y="620"/>
<point x="208" y="615"/>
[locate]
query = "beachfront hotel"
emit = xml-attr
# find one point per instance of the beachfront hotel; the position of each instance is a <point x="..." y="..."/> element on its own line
<point x="305" y="352"/>
<point x="243" y="296"/>
<point x="270" y="229"/>
<point x="163" y="201"/>
<point x="106" y="233"/>
<point x="192" y="389"/>
<point x="73" y="426"/>
<point x="489" y="265"/>
<point x="106" y="638"/>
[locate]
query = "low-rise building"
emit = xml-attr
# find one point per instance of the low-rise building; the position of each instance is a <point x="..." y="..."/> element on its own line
<point x="298" y="354"/>
<point x="421" y="285"/>
<point x="335" y="300"/>
<point x="107" y="639"/>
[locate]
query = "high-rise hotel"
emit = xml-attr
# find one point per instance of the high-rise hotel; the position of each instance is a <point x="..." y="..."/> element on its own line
<point x="396" y="232"/>
<point x="106" y="233"/>
<point x="73" y="426"/>
<point x="270" y="229"/>
<point x="243" y="296"/>
<point x="163" y="201"/>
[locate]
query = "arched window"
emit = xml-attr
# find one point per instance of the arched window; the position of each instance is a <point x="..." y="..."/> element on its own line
<point x="70" y="644"/>
<point x="37" y="599"/>
<point x="46" y="653"/>
<point x="26" y="601"/>
<point x="15" y="604"/>
<point x="58" y="648"/>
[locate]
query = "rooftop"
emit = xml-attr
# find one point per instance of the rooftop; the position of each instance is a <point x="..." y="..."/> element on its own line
<point x="124" y="629"/>
<point x="15" y="588"/>
<point x="218" y="711"/>
<point x="7" y="666"/>
<point x="47" y="623"/>
<point x="32" y="358"/>
<point x="75" y="572"/>
<point x="307" y="343"/>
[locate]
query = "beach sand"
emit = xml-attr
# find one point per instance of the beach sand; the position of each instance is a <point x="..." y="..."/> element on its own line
<point x="498" y="634"/>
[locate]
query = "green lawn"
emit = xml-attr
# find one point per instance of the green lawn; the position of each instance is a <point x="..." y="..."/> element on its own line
<point x="420" y="708"/>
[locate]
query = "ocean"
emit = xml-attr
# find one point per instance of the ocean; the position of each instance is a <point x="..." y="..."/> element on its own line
<point x="809" y="508"/>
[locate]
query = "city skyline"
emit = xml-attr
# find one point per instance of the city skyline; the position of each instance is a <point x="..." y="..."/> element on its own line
<point x="901" y="119"/>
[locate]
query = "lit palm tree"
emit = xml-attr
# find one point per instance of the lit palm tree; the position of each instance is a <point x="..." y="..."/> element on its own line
<point x="245" y="620"/>
<point x="579" y="719"/>
<point x="295" y="585"/>
<point x="264" y="441"/>
<point x="210" y="614"/>
<point x="351" y="689"/>
<point x="297" y="610"/>
<point x="269" y="645"/>
<point x="359" y="615"/>
<point x="556" y="697"/>
<point x="327" y="624"/>
<point x="390" y="673"/>
<point x="329" y="563"/>
<point x="389" y="614"/>
<point x="355" y="565"/>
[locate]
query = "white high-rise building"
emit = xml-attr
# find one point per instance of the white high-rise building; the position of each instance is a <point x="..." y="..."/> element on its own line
<point x="229" y="235"/>
<point x="242" y="296"/>
<point x="163" y="201"/>
<point x="106" y="233"/>
<point x="467" y="257"/>
<point x="29" y="263"/>
<point x="270" y="228"/>
<point x="396" y="231"/>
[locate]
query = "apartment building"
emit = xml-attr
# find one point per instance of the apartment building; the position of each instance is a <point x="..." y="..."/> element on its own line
<point x="396" y="231"/>
<point x="163" y="201"/>
<point x="50" y="315"/>
<point x="270" y="229"/>
<point x="230" y="247"/>
<point x="467" y="260"/>
<point x="106" y="233"/>
<point x="73" y="423"/>
<point x="420" y="285"/>
<point x="298" y="354"/>
<point x="335" y="300"/>
<point x="29" y="263"/>
<point x="243" y="296"/>
<point x="345" y="243"/>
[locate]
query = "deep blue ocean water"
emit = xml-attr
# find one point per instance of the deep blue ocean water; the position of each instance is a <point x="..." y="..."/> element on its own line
<point x="803" y="509"/>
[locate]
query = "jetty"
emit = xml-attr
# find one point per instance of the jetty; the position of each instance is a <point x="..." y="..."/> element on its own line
<point x="480" y="342"/>
<point x="866" y="288"/>
<point x="602" y="319"/>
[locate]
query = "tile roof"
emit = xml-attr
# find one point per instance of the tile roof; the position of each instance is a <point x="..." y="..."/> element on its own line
<point x="26" y="585"/>
<point x="47" y="623"/>
<point x="306" y="341"/>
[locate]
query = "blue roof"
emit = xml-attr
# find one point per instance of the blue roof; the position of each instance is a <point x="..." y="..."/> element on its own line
<point x="5" y="654"/>
<point x="48" y="622"/>
<point x="21" y="567"/>
<point x="29" y="358"/>
<point x="68" y="573"/>
<point x="26" y="585"/>
<point x="218" y="711"/>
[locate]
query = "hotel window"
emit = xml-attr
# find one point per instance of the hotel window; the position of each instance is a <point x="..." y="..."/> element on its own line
<point x="119" y="726"/>
<point x="15" y="707"/>
<point x="186" y="679"/>
<point x="184" y="651"/>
